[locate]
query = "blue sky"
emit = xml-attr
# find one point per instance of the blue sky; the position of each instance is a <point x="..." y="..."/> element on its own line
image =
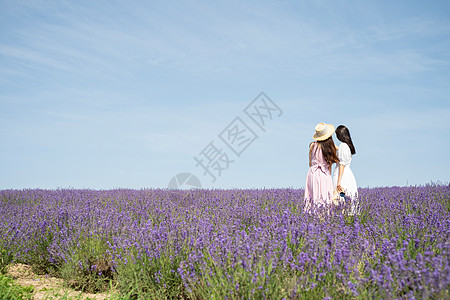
<point x="109" y="94"/>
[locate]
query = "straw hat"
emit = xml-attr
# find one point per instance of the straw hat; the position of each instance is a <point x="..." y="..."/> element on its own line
<point x="323" y="131"/>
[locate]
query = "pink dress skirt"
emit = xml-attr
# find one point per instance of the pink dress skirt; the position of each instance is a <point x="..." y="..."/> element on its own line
<point x="319" y="184"/>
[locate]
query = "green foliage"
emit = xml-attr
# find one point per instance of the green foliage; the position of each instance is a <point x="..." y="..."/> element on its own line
<point x="235" y="282"/>
<point x="143" y="277"/>
<point x="88" y="268"/>
<point x="9" y="290"/>
<point x="39" y="257"/>
<point x="6" y="257"/>
<point x="266" y="282"/>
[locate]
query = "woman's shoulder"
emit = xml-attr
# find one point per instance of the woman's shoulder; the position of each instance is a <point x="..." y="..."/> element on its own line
<point x="344" y="147"/>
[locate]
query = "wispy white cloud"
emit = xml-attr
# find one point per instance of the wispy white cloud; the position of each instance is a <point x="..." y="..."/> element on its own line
<point x="199" y="39"/>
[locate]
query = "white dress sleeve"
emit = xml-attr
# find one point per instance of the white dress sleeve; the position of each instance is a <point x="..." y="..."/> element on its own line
<point x="344" y="154"/>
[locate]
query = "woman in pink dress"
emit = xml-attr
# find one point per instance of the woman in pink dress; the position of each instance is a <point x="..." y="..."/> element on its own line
<point x="322" y="154"/>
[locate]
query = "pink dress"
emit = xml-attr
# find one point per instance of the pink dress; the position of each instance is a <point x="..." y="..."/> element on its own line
<point x="319" y="184"/>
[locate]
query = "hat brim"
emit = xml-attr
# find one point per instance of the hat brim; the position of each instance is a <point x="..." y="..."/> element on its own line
<point x="330" y="131"/>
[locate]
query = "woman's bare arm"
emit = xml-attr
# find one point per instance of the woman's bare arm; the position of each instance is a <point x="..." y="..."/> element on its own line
<point x="310" y="150"/>
<point x="341" y="172"/>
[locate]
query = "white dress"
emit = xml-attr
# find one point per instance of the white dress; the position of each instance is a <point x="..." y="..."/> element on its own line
<point x="348" y="181"/>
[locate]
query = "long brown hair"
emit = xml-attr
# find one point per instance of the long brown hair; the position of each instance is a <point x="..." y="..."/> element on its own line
<point x="329" y="150"/>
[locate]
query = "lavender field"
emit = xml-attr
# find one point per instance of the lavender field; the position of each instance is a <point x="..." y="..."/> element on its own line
<point x="233" y="244"/>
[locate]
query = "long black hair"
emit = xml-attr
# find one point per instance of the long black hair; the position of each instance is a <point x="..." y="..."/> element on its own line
<point x="343" y="134"/>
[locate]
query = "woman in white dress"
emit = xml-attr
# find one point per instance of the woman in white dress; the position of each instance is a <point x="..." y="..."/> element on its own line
<point x="343" y="178"/>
